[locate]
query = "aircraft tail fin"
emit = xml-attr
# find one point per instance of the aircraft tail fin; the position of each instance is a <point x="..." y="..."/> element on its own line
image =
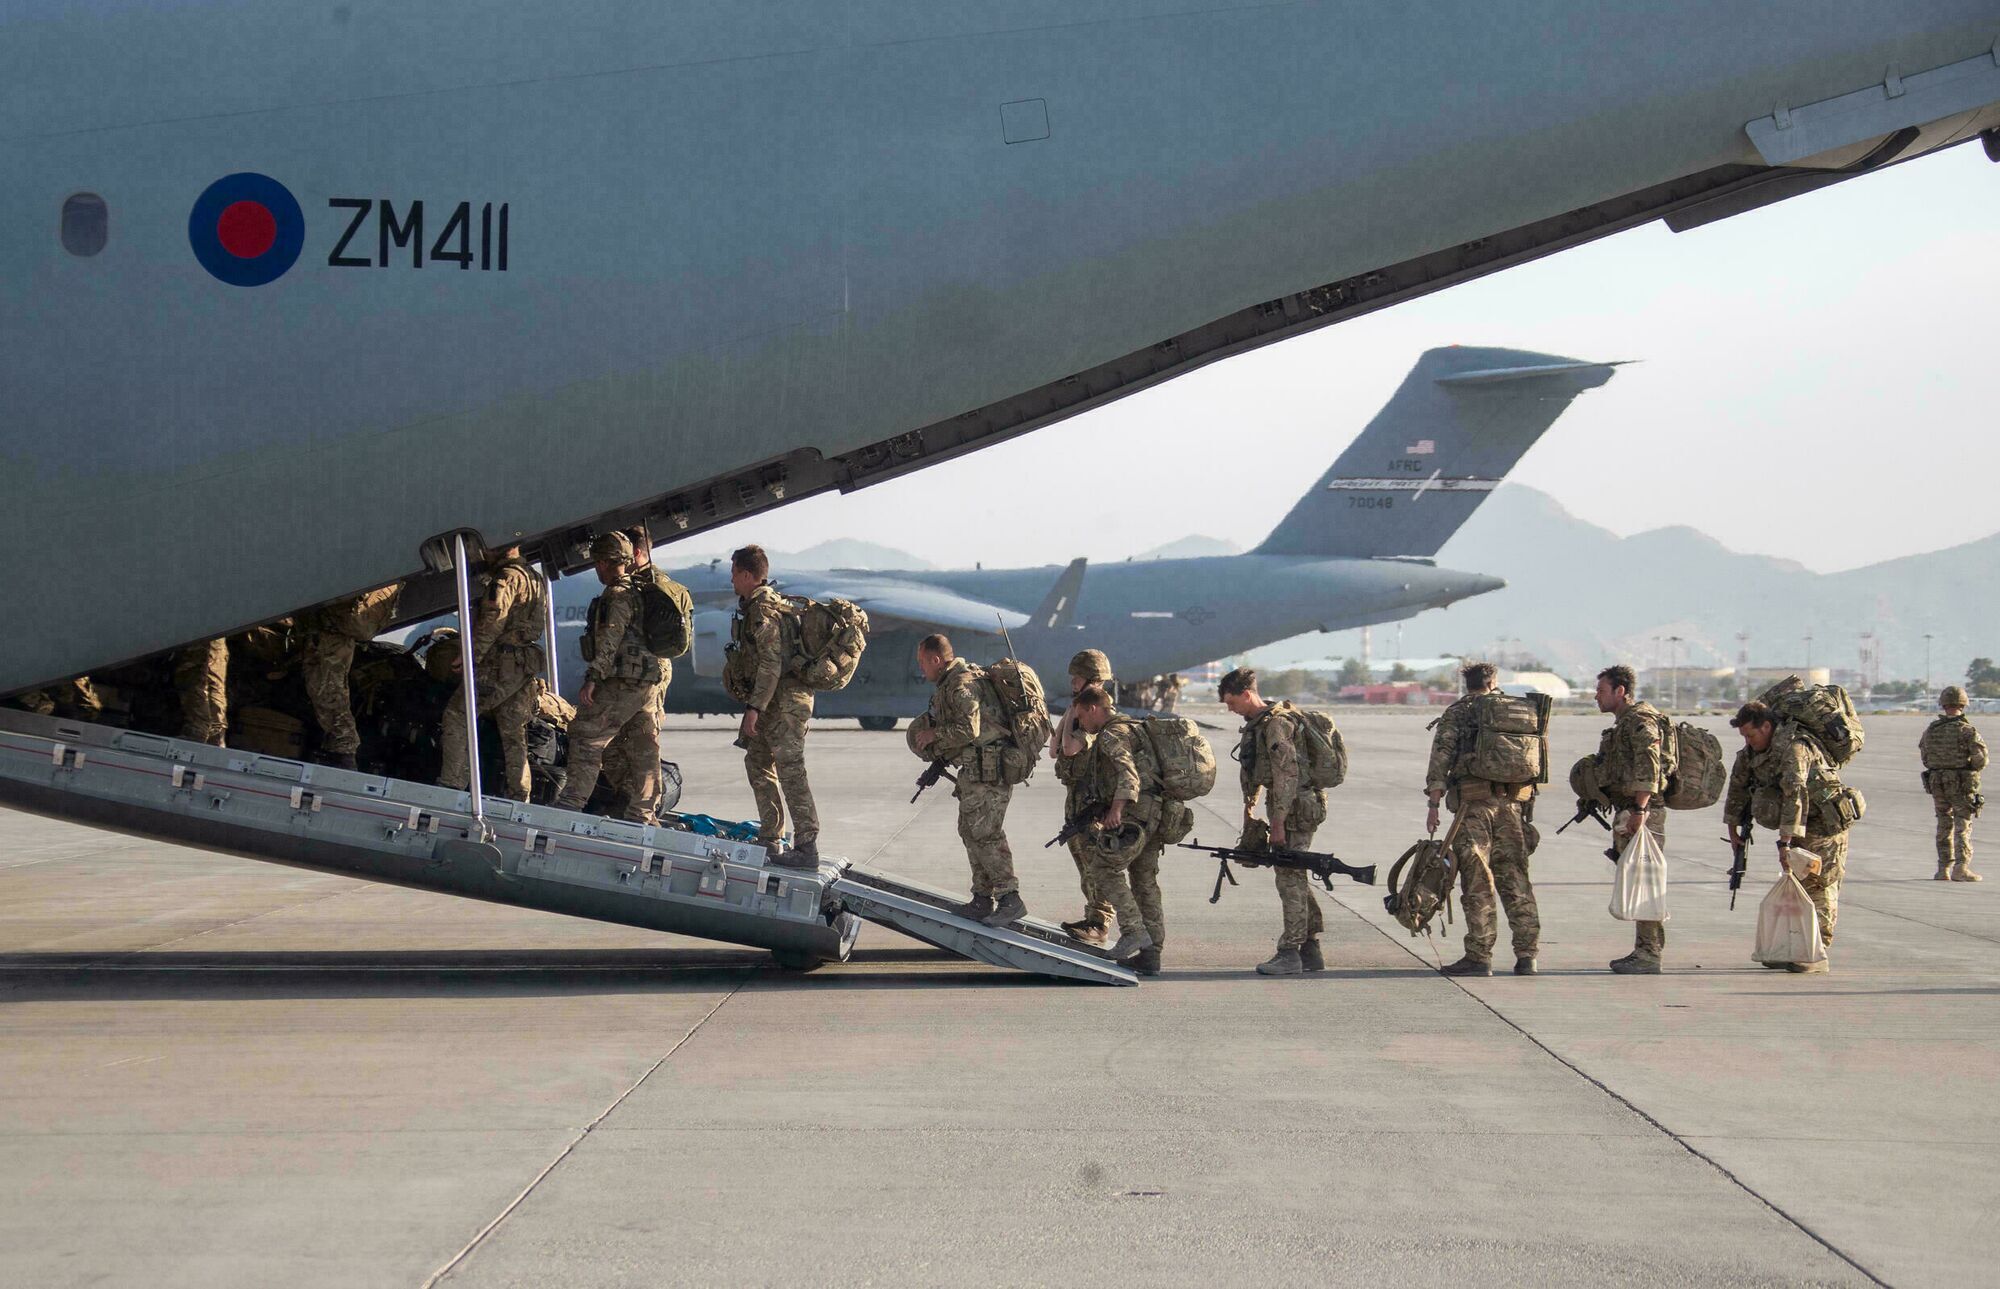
<point x="1059" y="605"/>
<point x="1460" y="421"/>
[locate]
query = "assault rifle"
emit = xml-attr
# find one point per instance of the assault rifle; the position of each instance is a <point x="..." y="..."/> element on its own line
<point x="932" y="773"/>
<point x="1077" y="824"/>
<point x="1321" y="866"/>
<point x="1592" y="809"/>
<point x="1740" y="848"/>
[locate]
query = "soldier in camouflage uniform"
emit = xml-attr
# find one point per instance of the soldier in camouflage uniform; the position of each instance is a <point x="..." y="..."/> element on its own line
<point x="1954" y="754"/>
<point x="1632" y="770"/>
<point x="508" y="623"/>
<point x="776" y="715"/>
<point x="1268" y="763"/>
<point x="75" y="699"/>
<point x="968" y="729"/>
<point x="1069" y="747"/>
<point x="626" y="763"/>
<point x="619" y="701"/>
<point x="1773" y="777"/>
<point x="330" y="634"/>
<point x="1118" y="777"/>
<point x="1490" y="837"/>
<point x="201" y="678"/>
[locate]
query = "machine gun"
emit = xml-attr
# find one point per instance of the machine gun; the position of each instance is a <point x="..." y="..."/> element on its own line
<point x="1267" y="856"/>
<point x="1740" y="848"/>
<point x="1075" y="825"/>
<point x="932" y="773"/>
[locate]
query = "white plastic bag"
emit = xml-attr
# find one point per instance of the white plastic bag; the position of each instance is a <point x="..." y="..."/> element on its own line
<point x="1788" y="925"/>
<point x="1639" y="891"/>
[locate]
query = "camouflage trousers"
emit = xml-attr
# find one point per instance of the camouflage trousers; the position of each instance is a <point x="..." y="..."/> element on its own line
<point x="1823" y="887"/>
<point x="982" y="826"/>
<point x="328" y="658"/>
<point x="1650" y="938"/>
<point x="776" y="764"/>
<point x="632" y="773"/>
<point x="622" y="712"/>
<point x="201" y="678"/>
<point x="1491" y="850"/>
<point x="1303" y="920"/>
<point x="1126" y="870"/>
<point x="506" y="693"/>
<point x="1096" y="908"/>
<point x="1954" y="829"/>
<point x="73" y="700"/>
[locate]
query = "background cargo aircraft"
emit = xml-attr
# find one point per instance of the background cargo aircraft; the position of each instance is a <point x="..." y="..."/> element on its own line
<point x="1354" y="551"/>
<point x="295" y="290"/>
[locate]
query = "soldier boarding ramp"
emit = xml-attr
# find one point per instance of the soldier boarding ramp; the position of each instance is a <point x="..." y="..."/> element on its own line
<point x="406" y="834"/>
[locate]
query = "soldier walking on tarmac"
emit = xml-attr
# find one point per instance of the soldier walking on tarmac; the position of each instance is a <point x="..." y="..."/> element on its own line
<point x="1069" y="746"/>
<point x="1490" y="836"/>
<point x="1632" y="767"/>
<point x="968" y="729"/>
<point x="1954" y="754"/>
<point x="1269" y="766"/>
<point x="776" y="715"/>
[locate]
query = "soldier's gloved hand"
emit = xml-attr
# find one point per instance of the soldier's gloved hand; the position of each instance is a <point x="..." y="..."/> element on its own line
<point x="1431" y="819"/>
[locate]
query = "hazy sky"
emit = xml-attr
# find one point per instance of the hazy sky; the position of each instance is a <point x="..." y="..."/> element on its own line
<point x="1832" y="357"/>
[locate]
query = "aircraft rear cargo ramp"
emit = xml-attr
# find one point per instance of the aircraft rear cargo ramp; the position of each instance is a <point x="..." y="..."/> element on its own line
<point x="386" y="830"/>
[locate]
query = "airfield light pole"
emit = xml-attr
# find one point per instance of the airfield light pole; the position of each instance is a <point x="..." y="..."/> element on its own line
<point x="1674" y="670"/>
<point x="1808" y="675"/>
<point x="464" y="580"/>
<point x="1927" y="661"/>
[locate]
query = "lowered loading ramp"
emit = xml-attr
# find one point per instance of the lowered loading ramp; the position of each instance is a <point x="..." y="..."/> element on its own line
<point x="407" y="834"/>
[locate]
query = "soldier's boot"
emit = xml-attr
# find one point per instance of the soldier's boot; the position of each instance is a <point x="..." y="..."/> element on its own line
<point x="345" y="761"/>
<point x="1526" y="967"/>
<point x="1963" y="874"/>
<point x="1636" y="964"/>
<point x="1468" y="966"/>
<point x="1943" y="873"/>
<point x="804" y="855"/>
<point x="1285" y="962"/>
<point x="975" y="908"/>
<point x="1131" y="944"/>
<point x="1088" y="931"/>
<point x="1146" y="962"/>
<point x="1809" y="968"/>
<point x="1009" y="908"/>
<point x="1310" y="956"/>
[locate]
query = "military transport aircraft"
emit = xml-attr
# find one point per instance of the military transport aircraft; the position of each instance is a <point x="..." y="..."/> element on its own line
<point x="1356" y="550"/>
<point x="303" y="299"/>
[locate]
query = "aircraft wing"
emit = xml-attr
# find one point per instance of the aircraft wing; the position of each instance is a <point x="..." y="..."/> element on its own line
<point x="911" y="602"/>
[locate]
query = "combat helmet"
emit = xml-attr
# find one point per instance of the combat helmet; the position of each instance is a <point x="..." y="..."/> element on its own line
<point x="613" y="546"/>
<point x="1953" y="696"/>
<point x="1091" y="666"/>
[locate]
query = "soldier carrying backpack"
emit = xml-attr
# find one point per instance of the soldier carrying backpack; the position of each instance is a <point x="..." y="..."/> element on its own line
<point x="1489" y="756"/>
<point x="1636" y="758"/>
<point x="1289" y="757"/>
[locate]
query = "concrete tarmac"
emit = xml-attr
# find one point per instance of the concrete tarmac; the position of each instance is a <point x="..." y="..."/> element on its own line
<point x="220" y="1072"/>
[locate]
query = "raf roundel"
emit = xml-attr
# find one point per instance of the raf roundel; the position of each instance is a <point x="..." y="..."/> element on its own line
<point x="246" y="229"/>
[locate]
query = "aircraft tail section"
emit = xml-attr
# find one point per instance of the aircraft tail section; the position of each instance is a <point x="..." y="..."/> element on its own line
<point x="1460" y="421"/>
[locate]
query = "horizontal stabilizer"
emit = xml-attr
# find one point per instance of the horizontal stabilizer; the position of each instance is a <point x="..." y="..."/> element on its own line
<point x="1460" y="421"/>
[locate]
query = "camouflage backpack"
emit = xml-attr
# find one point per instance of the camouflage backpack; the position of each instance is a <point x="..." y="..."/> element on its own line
<point x="1510" y="739"/>
<point x="1420" y="885"/>
<point x="1823" y="711"/>
<point x="1185" y="761"/>
<point x="666" y="613"/>
<point x="1018" y="691"/>
<point x="1696" y="775"/>
<point x="1322" y="750"/>
<point x="824" y="641"/>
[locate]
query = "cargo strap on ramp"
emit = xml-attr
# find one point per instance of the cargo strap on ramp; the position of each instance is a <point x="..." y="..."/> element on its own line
<point x="926" y="914"/>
